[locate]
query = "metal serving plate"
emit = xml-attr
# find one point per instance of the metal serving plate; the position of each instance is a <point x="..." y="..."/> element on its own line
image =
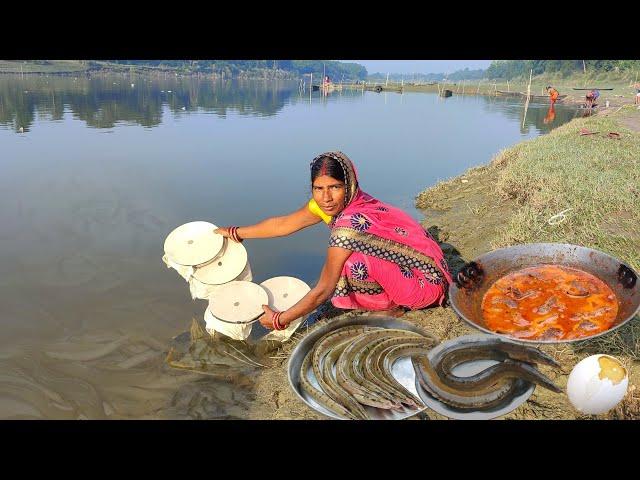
<point x="466" y="370"/>
<point x="402" y="370"/>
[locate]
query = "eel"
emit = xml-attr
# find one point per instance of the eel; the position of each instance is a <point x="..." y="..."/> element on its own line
<point x="373" y="368"/>
<point x="320" y="397"/>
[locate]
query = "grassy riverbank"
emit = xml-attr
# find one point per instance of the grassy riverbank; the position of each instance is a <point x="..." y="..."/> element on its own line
<point x="622" y="85"/>
<point x="594" y="179"/>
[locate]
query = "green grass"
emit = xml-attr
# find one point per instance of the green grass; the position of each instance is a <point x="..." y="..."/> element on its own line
<point x="598" y="178"/>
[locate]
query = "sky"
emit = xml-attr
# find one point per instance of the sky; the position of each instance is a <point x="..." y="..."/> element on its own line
<point x="420" y="66"/>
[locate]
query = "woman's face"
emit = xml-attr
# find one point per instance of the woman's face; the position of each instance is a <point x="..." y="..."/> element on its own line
<point x="329" y="193"/>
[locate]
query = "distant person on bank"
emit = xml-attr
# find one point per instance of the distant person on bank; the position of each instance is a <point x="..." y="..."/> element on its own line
<point x="591" y="97"/>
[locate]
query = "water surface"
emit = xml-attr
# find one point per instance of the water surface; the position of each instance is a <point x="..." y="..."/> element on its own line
<point x="97" y="171"/>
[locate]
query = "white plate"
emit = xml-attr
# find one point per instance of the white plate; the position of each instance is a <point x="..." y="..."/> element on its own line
<point x="193" y="243"/>
<point x="238" y="302"/>
<point x="284" y="292"/>
<point x="227" y="266"/>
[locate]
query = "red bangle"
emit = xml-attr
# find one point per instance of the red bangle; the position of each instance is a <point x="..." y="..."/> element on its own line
<point x="276" y="321"/>
<point x="233" y="231"/>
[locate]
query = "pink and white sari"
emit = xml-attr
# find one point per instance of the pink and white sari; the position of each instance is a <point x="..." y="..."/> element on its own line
<point x="395" y="262"/>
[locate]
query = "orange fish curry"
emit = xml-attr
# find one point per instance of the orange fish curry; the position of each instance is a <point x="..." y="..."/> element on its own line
<point x="549" y="302"/>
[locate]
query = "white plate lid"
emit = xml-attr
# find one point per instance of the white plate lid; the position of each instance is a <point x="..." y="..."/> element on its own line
<point x="284" y="292"/>
<point x="227" y="266"/>
<point x="238" y="301"/>
<point x="193" y="243"/>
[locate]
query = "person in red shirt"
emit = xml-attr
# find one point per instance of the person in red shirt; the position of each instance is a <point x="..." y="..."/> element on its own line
<point x="553" y="94"/>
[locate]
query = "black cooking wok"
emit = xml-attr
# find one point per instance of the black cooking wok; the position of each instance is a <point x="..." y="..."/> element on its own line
<point x="475" y="278"/>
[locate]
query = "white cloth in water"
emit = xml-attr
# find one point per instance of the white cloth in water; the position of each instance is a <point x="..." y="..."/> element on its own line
<point x="234" y="331"/>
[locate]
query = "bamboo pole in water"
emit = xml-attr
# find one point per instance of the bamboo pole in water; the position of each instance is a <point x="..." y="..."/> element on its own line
<point x="526" y="104"/>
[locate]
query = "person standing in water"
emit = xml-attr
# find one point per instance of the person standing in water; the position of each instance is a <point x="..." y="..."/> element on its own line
<point x="378" y="258"/>
<point x="553" y="94"/>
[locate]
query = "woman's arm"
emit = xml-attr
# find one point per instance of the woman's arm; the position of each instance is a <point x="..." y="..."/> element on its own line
<point x="275" y="226"/>
<point x="336" y="257"/>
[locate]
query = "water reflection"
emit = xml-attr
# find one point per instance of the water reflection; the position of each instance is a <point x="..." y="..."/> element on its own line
<point x="104" y="101"/>
<point x="87" y="307"/>
<point x="539" y="116"/>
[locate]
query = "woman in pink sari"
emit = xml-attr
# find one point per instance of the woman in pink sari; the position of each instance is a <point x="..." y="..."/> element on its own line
<point x="379" y="258"/>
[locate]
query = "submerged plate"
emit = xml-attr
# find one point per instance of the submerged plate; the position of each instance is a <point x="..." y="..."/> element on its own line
<point x="284" y="292"/>
<point x="238" y="302"/>
<point x="193" y="243"/>
<point x="466" y="370"/>
<point x="228" y="265"/>
<point x="402" y="369"/>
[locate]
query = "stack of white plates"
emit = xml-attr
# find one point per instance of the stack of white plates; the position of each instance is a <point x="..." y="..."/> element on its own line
<point x="218" y="270"/>
<point x="208" y="258"/>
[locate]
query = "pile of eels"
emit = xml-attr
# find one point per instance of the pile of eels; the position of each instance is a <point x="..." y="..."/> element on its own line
<point x="353" y="367"/>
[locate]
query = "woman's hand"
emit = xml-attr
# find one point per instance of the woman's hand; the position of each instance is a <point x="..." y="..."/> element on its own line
<point x="224" y="231"/>
<point x="266" y="320"/>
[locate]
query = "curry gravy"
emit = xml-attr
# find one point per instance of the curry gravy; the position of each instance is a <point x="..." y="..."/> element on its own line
<point x="549" y="302"/>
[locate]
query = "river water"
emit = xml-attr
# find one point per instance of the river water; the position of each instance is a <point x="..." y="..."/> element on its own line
<point x="97" y="171"/>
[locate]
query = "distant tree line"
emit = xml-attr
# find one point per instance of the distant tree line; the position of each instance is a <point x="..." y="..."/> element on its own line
<point x="509" y="69"/>
<point x="465" y="74"/>
<point x="338" y="71"/>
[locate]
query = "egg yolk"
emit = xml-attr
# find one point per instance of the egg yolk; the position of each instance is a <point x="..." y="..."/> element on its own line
<point x="611" y="369"/>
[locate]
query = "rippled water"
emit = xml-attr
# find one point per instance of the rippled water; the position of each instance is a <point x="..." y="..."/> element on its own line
<point x="97" y="171"/>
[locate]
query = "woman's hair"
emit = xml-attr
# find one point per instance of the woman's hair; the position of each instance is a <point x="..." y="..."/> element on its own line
<point x="327" y="166"/>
